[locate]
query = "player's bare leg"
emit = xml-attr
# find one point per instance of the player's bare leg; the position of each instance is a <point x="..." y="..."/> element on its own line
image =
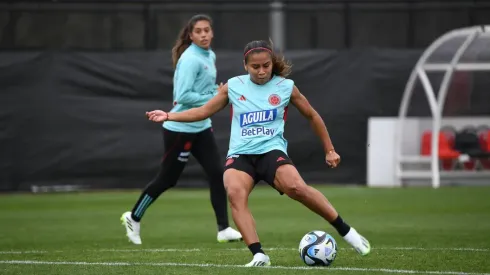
<point x="289" y="181"/>
<point x="238" y="186"/>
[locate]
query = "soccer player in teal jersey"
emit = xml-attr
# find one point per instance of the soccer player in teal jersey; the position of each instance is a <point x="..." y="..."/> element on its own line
<point x="258" y="149"/>
<point x="194" y="85"/>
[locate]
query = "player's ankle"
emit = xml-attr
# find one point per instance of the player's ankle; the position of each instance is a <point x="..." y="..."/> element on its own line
<point x="222" y="227"/>
<point x="135" y="218"/>
<point x="341" y="227"/>
<point x="256" y="248"/>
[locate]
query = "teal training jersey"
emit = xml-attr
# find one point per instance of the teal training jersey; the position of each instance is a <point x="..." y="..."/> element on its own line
<point x="258" y="115"/>
<point x="194" y="85"/>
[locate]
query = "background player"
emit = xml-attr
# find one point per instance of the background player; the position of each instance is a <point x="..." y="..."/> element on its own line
<point x="258" y="149"/>
<point x="194" y="85"/>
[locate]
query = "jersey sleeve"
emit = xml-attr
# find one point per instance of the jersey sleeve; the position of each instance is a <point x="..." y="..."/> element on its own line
<point x="232" y="82"/>
<point x="186" y="74"/>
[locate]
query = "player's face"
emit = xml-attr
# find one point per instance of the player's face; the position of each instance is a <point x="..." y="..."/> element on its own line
<point x="259" y="66"/>
<point x="202" y="34"/>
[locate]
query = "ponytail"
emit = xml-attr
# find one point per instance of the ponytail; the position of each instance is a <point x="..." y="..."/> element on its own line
<point x="182" y="43"/>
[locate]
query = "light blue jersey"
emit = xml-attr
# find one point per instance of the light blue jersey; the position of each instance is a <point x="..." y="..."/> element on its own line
<point x="258" y="115"/>
<point x="194" y="85"/>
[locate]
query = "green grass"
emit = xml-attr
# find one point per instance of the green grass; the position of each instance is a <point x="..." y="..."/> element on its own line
<point x="413" y="229"/>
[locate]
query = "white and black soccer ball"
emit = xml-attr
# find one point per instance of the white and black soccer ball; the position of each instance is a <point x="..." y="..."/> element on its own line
<point x="317" y="248"/>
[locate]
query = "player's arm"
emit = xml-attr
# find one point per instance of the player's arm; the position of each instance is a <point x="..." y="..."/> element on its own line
<point x="316" y="121"/>
<point x="186" y="76"/>
<point x="213" y="106"/>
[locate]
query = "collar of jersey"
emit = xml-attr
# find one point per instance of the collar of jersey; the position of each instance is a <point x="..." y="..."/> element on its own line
<point x="260" y="85"/>
<point x="200" y="50"/>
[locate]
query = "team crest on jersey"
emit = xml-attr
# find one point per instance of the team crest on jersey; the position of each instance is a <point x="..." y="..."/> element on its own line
<point x="274" y="100"/>
<point x="257" y="117"/>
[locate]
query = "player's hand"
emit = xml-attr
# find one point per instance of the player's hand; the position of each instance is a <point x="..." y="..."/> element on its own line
<point x="220" y="86"/>
<point x="157" y="116"/>
<point x="332" y="159"/>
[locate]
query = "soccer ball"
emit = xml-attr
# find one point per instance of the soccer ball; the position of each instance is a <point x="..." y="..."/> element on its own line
<point x="317" y="248"/>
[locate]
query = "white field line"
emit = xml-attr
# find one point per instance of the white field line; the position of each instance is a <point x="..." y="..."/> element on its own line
<point x="463" y="249"/>
<point x="392" y="248"/>
<point x="25" y="252"/>
<point x="384" y="270"/>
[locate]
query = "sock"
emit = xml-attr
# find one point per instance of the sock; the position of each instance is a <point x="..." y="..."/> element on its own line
<point x="140" y="207"/>
<point x="222" y="227"/>
<point x="340" y="226"/>
<point x="256" y="248"/>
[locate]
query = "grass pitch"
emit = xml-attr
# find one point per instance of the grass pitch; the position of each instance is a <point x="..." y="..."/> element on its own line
<point x="412" y="231"/>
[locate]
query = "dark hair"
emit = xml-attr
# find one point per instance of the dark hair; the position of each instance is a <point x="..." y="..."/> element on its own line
<point x="184" y="40"/>
<point x="280" y="66"/>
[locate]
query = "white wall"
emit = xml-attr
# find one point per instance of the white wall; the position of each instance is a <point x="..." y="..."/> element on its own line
<point x="381" y="143"/>
<point x="381" y="148"/>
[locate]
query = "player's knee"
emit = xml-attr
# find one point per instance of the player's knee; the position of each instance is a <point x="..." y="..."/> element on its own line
<point x="237" y="195"/>
<point x="295" y="189"/>
<point x="162" y="183"/>
<point x="165" y="178"/>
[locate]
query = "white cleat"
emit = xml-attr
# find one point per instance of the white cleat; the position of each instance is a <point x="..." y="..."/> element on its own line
<point x="260" y="259"/>
<point x="229" y="235"/>
<point x="358" y="242"/>
<point x="132" y="228"/>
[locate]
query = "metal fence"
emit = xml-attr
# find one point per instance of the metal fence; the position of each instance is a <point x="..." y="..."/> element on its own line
<point x="149" y="25"/>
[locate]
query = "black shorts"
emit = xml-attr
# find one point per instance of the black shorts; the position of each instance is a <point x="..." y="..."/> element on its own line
<point x="259" y="167"/>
